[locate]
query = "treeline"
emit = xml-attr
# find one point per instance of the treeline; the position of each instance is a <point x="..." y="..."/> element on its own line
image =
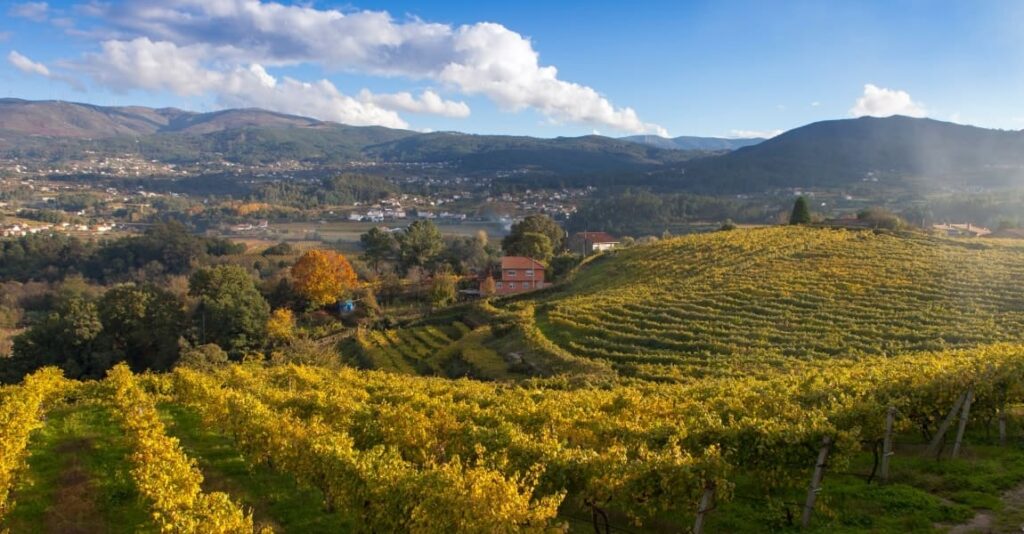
<point x="167" y="248"/>
<point x="421" y="247"/>
<point x="85" y="330"/>
<point x="640" y="212"/>
<point x="344" y="189"/>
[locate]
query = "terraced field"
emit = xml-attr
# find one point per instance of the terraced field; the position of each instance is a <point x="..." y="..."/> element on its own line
<point x="765" y="296"/>
<point x="433" y="350"/>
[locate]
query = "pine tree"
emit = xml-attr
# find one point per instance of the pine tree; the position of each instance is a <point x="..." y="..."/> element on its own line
<point x="801" y="212"/>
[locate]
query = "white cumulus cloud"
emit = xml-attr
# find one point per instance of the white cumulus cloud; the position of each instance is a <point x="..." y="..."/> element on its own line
<point x="163" y="66"/>
<point x="145" y="64"/>
<point x="881" y="102"/>
<point x="485" y="59"/>
<point x="26" y="65"/>
<point x="428" y="102"/>
<point x="254" y="87"/>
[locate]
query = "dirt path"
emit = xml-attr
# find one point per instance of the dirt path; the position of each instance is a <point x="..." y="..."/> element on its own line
<point x="989" y="522"/>
<point x="74" y="510"/>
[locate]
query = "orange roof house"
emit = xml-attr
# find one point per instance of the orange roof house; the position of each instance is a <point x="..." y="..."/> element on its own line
<point x="518" y="274"/>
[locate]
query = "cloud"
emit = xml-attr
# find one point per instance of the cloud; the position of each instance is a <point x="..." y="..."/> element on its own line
<point x="162" y="66"/>
<point x="144" y="64"/>
<point x="428" y="102"/>
<point x="815" y="104"/>
<point x="253" y="87"/>
<point x="882" y="102"/>
<point x="750" y="134"/>
<point x="35" y="11"/>
<point x="476" y="59"/>
<point x="26" y="65"/>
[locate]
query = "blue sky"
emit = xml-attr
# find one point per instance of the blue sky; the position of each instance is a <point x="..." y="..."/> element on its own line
<point x="721" y="68"/>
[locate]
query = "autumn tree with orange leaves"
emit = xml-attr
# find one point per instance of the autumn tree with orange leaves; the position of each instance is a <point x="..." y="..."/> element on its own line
<point x="323" y="276"/>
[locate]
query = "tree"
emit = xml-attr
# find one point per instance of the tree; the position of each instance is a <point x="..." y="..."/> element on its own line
<point x="420" y="244"/>
<point x="281" y="325"/>
<point x="562" y="265"/>
<point x="379" y="246"/>
<point x="801" y="212"/>
<point x="231" y="312"/>
<point x="206" y="357"/>
<point x="535" y="224"/>
<point x="880" y="218"/>
<point x="532" y="245"/>
<point x="323" y="276"/>
<point x="66" y="337"/>
<point x="442" y="289"/>
<point x="488" y="288"/>
<point x="469" y="254"/>
<point x="142" y="325"/>
<point x="281" y="249"/>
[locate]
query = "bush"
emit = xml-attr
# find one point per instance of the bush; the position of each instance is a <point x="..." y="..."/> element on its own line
<point x="202" y="358"/>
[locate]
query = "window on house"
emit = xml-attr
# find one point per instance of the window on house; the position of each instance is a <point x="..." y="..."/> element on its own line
<point x="526" y="285"/>
<point x="511" y="285"/>
<point x="497" y="285"/>
<point x="511" y="274"/>
<point x="529" y="272"/>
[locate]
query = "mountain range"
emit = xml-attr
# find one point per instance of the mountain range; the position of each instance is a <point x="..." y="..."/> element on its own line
<point x="68" y="119"/>
<point x="898" y="151"/>
<point x="689" y="142"/>
<point x="894" y="151"/>
<point x="51" y="130"/>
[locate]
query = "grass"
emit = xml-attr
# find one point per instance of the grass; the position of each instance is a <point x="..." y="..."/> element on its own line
<point x="78" y="478"/>
<point x="276" y="499"/>
<point x="924" y="495"/>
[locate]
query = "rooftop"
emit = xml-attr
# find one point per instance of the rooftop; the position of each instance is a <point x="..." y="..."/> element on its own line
<point x="520" y="262"/>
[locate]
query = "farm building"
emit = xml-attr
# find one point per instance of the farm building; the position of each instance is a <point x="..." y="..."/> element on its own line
<point x="588" y="243"/>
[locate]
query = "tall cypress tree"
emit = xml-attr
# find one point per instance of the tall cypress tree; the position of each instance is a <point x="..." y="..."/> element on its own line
<point x="801" y="212"/>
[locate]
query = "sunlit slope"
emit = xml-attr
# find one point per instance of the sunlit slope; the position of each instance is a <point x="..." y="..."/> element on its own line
<point x="775" y="294"/>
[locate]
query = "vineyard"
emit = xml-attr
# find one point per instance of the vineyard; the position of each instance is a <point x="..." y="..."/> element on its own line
<point x="745" y="381"/>
<point x="732" y="301"/>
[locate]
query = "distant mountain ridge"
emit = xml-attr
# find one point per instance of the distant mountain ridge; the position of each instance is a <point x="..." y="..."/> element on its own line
<point x="63" y="130"/>
<point x="895" y="150"/>
<point x="689" y="142"/>
<point x="68" y="119"/>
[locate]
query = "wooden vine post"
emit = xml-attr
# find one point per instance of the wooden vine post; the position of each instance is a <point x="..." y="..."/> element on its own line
<point x="705" y="506"/>
<point x="890" y="419"/>
<point x="815" y="487"/>
<point x="933" y="447"/>
<point x="962" y="427"/>
<point x="1002" y="425"/>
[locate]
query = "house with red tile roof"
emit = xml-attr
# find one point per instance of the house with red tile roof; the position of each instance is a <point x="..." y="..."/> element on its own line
<point x="518" y="274"/>
<point x="588" y="243"/>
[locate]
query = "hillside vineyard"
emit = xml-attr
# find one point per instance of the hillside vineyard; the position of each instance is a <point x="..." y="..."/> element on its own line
<point x="784" y="295"/>
<point x="761" y="360"/>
